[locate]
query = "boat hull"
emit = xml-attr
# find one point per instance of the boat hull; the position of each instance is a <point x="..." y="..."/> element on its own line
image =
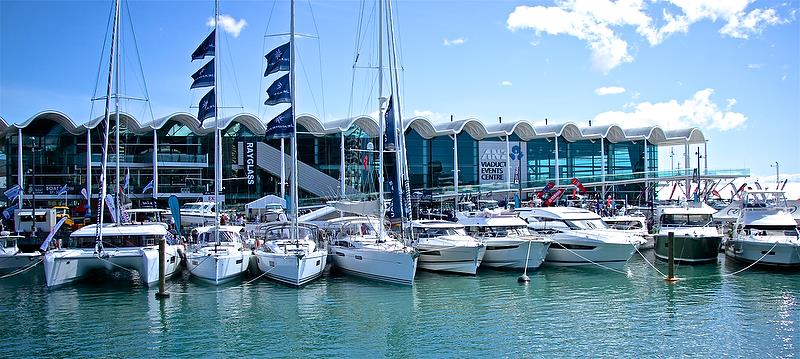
<point x="11" y="263"/>
<point x="688" y="248"/>
<point x="784" y="254"/>
<point x="291" y="269"/>
<point x="64" y="266"/>
<point x="568" y="253"/>
<point x="387" y="266"/>
<point x="455" y="259"/>
<point x="217" y="269"/>
<point x="513" y="254"/>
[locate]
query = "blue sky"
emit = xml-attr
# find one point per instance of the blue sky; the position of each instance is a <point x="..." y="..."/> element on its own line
<point x="729" y="67"/>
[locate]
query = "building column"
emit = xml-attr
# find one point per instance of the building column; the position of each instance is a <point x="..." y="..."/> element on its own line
<point x="283" y="170"/>
<point x="646" y="163"/>
<point x="603" y="165"/>
<point x="455" y="169"/>
<point x="688" y="170"/>
<point x="155" y="164"/>
<point x="89" y="167"/>
<point x="20" y="181"/>
<point x="558" y="176"/>
<point x="341" y="165"/>
<point x="508" y="166"/>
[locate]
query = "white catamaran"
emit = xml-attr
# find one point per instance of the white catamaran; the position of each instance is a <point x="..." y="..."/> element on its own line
<point x="111" y="247"/>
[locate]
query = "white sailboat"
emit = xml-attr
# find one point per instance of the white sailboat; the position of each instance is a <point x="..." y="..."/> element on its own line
<point x="111" y="247"/>
<point x="293" y="253"/>
<point x="357" y="247"/>
<point x="219" y="255"/>
<point x="218" y="260"/>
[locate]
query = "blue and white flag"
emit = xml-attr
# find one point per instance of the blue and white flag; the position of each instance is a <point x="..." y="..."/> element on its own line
<point x="127" y="179"/>
<point x="112" y="207"/>
<point x="147" y="187"/>
<point x="281" y="126"/>
<point x="278" y="59"/>
<point x="85" y="194"/>
<point x="53" y="231"/>
<point x="9" y="211"/>
<point x="204" y="77"/>
<point x="206" y="48"/>
<point x="13" y="192"/>
<point x="208" y="106"/>
<point x="389" y="136"/>
<point x="279" y="92"/>
<point x="62" y="191"/>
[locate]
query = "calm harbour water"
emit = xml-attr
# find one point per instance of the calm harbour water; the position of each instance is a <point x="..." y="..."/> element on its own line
<point x="563" y="312"/>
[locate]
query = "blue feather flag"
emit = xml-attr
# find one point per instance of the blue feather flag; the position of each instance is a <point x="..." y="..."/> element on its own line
<point x="206" y="48"/>
<point x="281" y="126"/>
<point x="204" y="77"/>
<point x="279" y="92"/>
<point x="278" y="59"/>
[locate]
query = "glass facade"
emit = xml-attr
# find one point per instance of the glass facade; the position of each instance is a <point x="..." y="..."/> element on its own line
<point x="186" y="166"/>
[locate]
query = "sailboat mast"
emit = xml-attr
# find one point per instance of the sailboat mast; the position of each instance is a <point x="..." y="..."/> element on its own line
<point x="116" y="118"/>
<point x="106" y="120"/>
<point x="293" y="89"/>
<point x="401" y="164"/>
<point x="217" y="142"/>
<point x="381" y="121"/>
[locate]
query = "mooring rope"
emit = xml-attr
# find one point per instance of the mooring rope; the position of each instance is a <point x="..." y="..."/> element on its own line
<point x="648" y="262"/>
<point x="724" y="275"/>
<point x="22" y="270"/>
<point x="591" y="261"/>
<point x="223" y="290"/>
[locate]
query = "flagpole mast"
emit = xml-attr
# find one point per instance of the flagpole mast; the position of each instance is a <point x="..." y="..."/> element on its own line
<point x="217" y="159"/>
<point x="293" y="89"/>
<point x="381" y="121"/>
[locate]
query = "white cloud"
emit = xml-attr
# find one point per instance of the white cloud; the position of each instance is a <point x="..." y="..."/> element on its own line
<point x="433" y="116"/>
<point x="229" y="24"/>
<point x="609" y="90"/>
<point x="595" y="22"/>
<point x="698" y="111"/>
<point x="506" y="83"/>
<point x="731" y="102"/>
<point x="753" y="66"/>
<point x="454" y="42"/>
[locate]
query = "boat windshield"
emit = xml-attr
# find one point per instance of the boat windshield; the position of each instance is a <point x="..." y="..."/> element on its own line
<point x="686" y="220"/>
<point x="504" y="231"/>
<point x="358" y="228"/>
<point x="623" y="225"/>
<point x="224" y="236"/>
<point x="285" y="232"/>
<point x="576" y="224"/>
<point x="437" y="232"/>
<point x="789" y="231"/>
<point x="197" y="207"/>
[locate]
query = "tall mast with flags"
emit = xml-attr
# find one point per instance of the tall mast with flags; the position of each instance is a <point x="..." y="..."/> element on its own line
<point x="206" y="77"/>
<point x="105" y="125"/>
<point x="283" y="126"/>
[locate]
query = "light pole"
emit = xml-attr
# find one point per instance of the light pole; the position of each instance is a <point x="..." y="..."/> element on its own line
<point x="777" y="172"/>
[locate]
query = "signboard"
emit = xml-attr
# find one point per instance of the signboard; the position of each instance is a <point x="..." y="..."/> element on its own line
<point x="210" y="198"/>
<point x="49" y="189"/>
<point x="247" y="157"/>
<point x="493" y="159"/>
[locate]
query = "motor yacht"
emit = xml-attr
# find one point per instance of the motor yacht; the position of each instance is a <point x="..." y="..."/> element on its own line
<point x="289" y="258"/>
<point x="357" y="248"/>
<point x="765" y="231"/>
<point x="444" y="246"/>
<point x="695" y="239"/>
<point x="217" y="262"/>
<point x="11" y="258"/>
<point x="579" y="237"/>
<point x="509" y="244"/>
<point x="124" y="247"/>
<point x="198" y="214"/>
